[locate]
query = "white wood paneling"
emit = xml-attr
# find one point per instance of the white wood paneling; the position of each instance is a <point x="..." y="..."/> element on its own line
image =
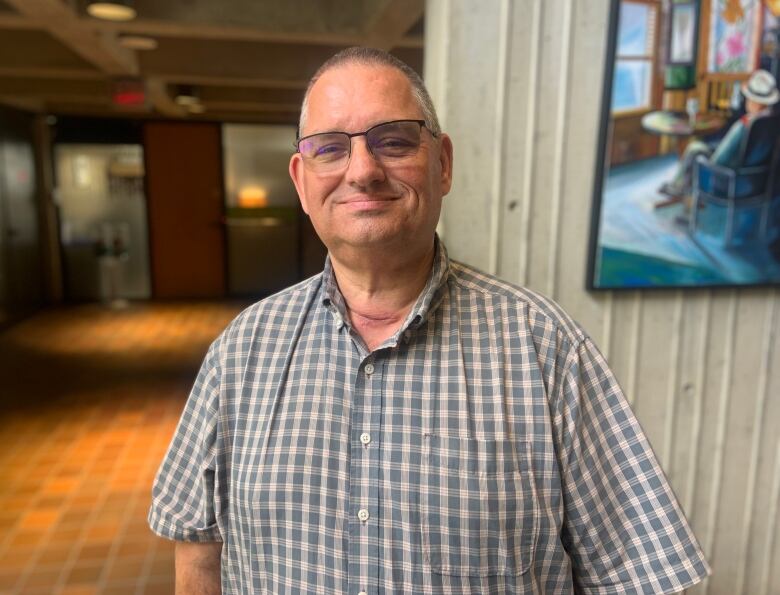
<point x="769" y="557"/>
<point x="765" y="525"/>
<point x="518" y="86"/>
<point x="472" y="116"/>
<point x="520" y="125"/>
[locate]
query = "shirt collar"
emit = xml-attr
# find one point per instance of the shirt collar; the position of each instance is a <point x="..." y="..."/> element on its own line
<point x="331" y="296"/>
<point x="427" y="302"/>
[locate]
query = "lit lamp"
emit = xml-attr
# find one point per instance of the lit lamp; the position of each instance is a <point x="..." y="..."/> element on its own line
<point x="252" y="197"/>
<point x="112" y="10"/>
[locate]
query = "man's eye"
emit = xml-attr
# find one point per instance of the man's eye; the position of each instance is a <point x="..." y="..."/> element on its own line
<point x="332" y="150"/>
<point x="394" y="146"/>
<point x="391" y="142"/>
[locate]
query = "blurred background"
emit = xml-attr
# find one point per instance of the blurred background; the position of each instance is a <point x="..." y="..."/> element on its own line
<point x="144" y="200"/>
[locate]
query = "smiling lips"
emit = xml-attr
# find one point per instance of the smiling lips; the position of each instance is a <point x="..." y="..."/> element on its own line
<point x="367" y="201"/>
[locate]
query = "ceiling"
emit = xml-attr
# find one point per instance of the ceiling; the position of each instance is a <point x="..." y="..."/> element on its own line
<point x="249" y="60"/>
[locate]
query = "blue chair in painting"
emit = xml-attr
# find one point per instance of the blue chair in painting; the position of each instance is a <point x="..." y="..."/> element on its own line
<point x="748" y="196"/>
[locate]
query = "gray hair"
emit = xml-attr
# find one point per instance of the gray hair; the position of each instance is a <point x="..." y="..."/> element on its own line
<point x="375" y="57"/>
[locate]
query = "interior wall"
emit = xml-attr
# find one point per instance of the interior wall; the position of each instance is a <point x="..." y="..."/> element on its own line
<point x="21" y="284"/>
<point x="518" y="86"/>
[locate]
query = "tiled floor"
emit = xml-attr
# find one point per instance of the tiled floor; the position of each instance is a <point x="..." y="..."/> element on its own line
<point x="90" y="397"/>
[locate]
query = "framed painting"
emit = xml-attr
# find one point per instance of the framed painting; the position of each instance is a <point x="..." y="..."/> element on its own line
<point x="668" y="209"/>
<point x="682" y="34"/>
<point x="733" y="38"/>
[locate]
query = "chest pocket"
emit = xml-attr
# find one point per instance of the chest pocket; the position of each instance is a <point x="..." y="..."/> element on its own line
<point x="479" y="509"/>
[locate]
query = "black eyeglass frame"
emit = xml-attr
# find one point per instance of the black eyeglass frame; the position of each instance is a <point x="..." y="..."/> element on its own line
<point x="352" y="135"/>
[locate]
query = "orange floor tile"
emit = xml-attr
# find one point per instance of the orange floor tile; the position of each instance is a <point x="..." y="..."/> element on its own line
<point x="90" y="397"/>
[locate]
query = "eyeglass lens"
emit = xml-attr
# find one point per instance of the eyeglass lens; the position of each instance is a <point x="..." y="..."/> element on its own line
<point x="330" y="150"/>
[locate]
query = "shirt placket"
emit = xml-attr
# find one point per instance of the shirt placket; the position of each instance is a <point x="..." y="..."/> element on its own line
<point x="364" y="477"/>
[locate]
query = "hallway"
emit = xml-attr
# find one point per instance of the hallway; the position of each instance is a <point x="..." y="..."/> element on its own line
<point x="90" y="398"/>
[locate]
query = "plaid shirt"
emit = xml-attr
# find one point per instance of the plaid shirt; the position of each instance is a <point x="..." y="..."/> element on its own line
<point x="483" y="448"/>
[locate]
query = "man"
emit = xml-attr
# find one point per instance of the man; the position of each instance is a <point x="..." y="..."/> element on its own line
<point x="760" y="94"/>
<point x="402" y="423"/>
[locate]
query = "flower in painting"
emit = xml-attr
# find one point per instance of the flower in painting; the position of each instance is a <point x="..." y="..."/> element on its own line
<point x="733" y="11"/>
<point x="735" y="45"/>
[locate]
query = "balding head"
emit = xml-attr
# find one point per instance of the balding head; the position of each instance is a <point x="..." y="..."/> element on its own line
<point x="374" y="57"/>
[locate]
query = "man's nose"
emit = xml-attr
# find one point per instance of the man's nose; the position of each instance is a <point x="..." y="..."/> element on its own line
<point x="364" y="169"/>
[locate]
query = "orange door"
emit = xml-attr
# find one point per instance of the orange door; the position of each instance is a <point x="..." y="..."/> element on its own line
<point x="184" y="186"/>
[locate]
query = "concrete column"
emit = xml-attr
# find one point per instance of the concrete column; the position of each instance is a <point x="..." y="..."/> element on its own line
<point x="465" y="65"/>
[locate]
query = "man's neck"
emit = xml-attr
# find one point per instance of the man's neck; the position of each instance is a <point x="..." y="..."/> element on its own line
<point x="380" y="291"/>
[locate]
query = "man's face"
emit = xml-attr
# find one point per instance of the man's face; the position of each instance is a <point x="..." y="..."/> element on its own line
<point x="753" y="107"/>
<point x="367" y="203"/>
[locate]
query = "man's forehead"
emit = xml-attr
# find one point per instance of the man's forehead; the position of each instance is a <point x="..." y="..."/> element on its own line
<point x="353" y="80"/>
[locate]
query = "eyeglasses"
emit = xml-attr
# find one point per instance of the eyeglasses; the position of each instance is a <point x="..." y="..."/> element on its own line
<point x="387" y="142"/>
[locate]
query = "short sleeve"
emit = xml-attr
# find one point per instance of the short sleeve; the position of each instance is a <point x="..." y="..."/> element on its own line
<point x="624" y="529"/>
<point x="183" y="506"/>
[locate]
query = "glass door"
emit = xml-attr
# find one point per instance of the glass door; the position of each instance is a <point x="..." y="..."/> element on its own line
<point x="103" y="221"/>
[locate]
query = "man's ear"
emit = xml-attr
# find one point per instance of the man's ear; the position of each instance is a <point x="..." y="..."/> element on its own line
<point x="445" y="159"/>
<point x="296" y="173"/>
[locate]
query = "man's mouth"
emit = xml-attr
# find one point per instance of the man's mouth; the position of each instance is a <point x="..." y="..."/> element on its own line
<point x="368" y="197"/>
<point x="368" y="200"/>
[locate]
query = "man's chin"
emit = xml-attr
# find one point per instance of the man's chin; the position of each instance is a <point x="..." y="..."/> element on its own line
<point x="371" y="238"/>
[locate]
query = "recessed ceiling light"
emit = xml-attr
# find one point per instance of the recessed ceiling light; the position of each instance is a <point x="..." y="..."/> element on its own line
<point x="112" y="10"/>
<point x="186" y="100"/>
<point x="186" y="95"/>
<point x="138" y="42"/>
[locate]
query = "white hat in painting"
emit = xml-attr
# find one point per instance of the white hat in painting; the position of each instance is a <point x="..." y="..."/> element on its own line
<point x="761" y="88"/>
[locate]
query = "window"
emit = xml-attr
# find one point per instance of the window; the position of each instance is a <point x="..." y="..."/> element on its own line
<point x="634" y="57"/>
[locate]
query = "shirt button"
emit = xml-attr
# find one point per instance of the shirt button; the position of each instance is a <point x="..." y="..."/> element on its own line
<point x="363" y="514"/>
<point x="369" y="369"/>
<point x="365" y="437"/>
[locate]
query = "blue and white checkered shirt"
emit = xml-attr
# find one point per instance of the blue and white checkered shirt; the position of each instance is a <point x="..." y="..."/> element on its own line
<point x="484" y="448"/>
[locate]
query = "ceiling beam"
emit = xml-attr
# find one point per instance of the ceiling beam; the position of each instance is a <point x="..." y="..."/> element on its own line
<point x="115" y="112"/>
<point x="227" y="81"/>
<point x="390" y="23"/>
<point x="77" y="99"/>
<point x="32" y="87"/>
<point x="29" y="104"/>
<point x="161" y="28"/>
<point x="10" y="20"/>
<point x="251" y="106"/>
<point x="157" y="92"/>
<point x="51" y="73"/>
<point x="170" y="77"/>
<point x="94" y="110"/>
<point x="96" y="47"/>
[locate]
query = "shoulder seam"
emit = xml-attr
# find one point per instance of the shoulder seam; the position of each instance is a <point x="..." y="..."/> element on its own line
<point x="565" y="328"/>
<point x="257" y="307"/>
